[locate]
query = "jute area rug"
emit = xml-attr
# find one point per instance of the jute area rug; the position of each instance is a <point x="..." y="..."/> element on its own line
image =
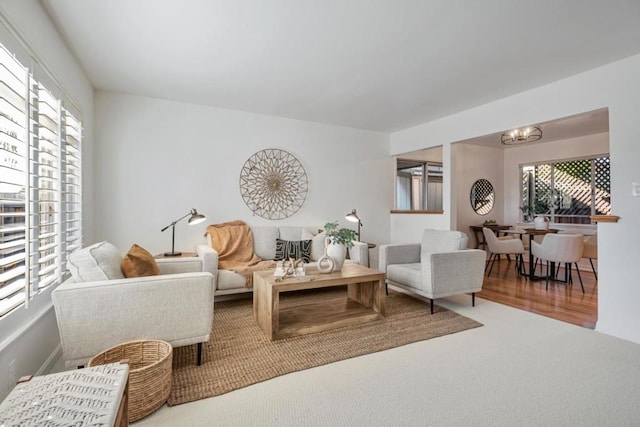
<point x="239" y="355"/>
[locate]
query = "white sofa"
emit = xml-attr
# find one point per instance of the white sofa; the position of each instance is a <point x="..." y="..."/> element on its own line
<point x="438" y="267"/>
<point x="107" y="309"/>
<point x="227" y="282"/>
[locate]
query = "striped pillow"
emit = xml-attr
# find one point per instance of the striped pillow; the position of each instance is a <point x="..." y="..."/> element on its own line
<point x="295" y="249"/>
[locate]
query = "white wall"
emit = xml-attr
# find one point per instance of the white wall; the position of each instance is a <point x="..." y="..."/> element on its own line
<point x="30" y="335"/>
<point x="615" y="86"/>
<point x="474" y="162"/>
<point x="158" y="159"/>
<point x="592" y="145"/>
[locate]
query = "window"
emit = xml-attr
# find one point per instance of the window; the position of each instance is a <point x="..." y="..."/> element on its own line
<point x="40" y="196"/>
<point x="569" y="191"/>
<point x="418" y="185"/>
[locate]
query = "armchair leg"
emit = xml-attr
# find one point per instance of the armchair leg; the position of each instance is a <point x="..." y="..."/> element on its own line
<point x="546" y="277"/>
<point x="579" y="277"/>
<point x="473" y="299"/>
<point x="199" y="353"/>
<point x="431" y="305"/>
<point x="593" y="269"/>
<point x="386" y="288"/>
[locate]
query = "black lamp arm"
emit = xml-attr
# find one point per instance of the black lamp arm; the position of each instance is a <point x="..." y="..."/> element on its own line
<point x="178" y="220"/>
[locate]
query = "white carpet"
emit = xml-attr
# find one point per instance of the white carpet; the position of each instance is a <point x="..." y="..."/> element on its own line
<point x="519" y="369"/>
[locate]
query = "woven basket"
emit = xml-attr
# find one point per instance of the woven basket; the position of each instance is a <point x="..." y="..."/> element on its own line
<point x="149" y="373"/>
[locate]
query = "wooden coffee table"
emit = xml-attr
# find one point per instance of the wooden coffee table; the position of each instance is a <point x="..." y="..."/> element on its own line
<point x="365" y="301"/>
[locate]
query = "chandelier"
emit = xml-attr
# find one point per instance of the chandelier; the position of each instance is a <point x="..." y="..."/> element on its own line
<point x="519" y="136"/>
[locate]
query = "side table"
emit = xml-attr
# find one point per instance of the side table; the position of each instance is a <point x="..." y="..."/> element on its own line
<point x="81" y="397"/>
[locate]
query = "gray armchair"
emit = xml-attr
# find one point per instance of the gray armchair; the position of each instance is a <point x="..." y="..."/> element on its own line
<point x="438" y="267"/>
<point x="94" y="315"/>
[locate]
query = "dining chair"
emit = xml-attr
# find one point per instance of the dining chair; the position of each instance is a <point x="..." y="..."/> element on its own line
<point x="498" y="246"/>
<point x="590" y="251"/>
<point x="560" y="248"/>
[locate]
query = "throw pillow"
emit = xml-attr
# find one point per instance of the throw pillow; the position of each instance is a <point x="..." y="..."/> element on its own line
<point x="295" y="249"/>
<point x="100" y="261"/>
<point x="138" y="262"/>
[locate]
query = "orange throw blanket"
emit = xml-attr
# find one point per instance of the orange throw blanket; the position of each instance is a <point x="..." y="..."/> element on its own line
<point x="234" y="243"/>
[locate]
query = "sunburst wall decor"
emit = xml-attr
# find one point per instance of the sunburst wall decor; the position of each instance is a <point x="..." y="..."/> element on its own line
<point x="273" y="184"/>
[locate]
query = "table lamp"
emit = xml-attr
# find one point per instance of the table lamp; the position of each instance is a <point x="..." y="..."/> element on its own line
<point x="353" y="217"/>
<point x="196" y="218"/>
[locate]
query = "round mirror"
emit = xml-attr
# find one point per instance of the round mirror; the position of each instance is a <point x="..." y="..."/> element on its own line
<point x="482" y="197"/>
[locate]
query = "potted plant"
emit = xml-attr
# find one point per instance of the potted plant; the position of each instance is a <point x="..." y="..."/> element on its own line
<point x="337" y="242"/>
<point x="527" y="212"/>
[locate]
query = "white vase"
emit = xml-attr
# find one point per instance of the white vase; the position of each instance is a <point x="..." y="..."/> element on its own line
<point x="541" y="222"/>
<point x="337" y="252"/>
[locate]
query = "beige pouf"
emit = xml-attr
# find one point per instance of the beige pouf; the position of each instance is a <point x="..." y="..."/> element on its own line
<point x="149" y="373"/>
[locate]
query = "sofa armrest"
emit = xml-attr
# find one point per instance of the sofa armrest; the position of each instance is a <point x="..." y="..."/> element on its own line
<point x="359" y="253"/>
<point x="179" y="265"/>
<point x="398" y="254"/>
<point x="94" y="316"/>
<point x="209" y="258"/>
<point x="451" y="273"/>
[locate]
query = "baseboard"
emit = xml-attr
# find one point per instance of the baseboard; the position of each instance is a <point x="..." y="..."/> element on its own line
<point x="50" y="362"/>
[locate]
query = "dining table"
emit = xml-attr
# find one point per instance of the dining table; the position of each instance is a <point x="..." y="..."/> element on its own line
<point x="532" y="232"/>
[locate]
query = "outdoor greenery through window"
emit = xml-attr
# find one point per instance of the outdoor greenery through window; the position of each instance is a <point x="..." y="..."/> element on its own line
<point x="40" y="191"/>
<point x="567" y="192"/>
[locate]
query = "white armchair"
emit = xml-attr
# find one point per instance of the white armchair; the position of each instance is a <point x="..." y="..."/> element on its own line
<point x="175" y="306"/>
<point x="560" y="248"/>
<point x="499" y="247"/>
<point x="438" y="267"/>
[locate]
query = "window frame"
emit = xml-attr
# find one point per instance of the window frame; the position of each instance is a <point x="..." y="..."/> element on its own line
<point x="592" y="158"/>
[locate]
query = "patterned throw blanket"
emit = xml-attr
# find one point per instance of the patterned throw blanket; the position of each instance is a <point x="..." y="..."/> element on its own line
<point x="234" y="243"/>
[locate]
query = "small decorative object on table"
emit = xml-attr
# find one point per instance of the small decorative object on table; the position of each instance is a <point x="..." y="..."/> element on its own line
<point x="289" y="268"/>
<point x="541" y="222"/>
<point x="337" y="242"/>
<point x="490" y="222"/>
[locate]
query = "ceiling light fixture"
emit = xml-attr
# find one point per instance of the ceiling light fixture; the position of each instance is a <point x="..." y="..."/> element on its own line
<point x="519" y="136"/>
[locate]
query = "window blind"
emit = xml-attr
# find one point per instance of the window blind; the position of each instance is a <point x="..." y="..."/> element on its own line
<point x="40" y="185"/>
<point x="13" y="182"/>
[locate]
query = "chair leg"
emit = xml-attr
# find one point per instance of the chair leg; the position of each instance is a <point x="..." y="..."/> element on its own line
<point x="593" y="269"/>
<point x="493" y="262"/>
<point x="568" y="268"/>
<point x="386" y="288"/>
<point x="199" y="353"/>
<point x="546" y="277"/>
<point x="431" y="305"/>
<point x="473" y="299"/>
<point x="580" y="277"/>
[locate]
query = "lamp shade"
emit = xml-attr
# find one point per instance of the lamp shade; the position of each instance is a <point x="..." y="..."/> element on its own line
<point x="352" y="216"/>
<point x="196" y="218"/>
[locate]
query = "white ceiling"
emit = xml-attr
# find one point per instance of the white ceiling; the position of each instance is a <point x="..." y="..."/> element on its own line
<point x="373" y="64"/>
<point x="590" y="123"/>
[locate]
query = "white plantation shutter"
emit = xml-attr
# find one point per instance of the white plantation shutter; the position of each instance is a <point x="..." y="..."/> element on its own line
<point x="40" y="184"/>
<point x="13" y="182"/>
<point x="45" y="231"/>
<point x="71" y="186"/>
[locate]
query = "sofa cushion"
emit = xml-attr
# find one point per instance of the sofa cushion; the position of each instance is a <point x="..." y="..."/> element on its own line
<point x="228" y="279"/>
<point x="407" y="274"/>
<point x="291" y="233"/>
<point x="295" y="249"/>
<point x="443" y="241"/>
<point x="138" y="262"/>
<point x="264" y="241"/>
<point x="100" y="261"/>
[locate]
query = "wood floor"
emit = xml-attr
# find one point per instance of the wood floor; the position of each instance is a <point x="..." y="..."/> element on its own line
<point x="562" y="302"/>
